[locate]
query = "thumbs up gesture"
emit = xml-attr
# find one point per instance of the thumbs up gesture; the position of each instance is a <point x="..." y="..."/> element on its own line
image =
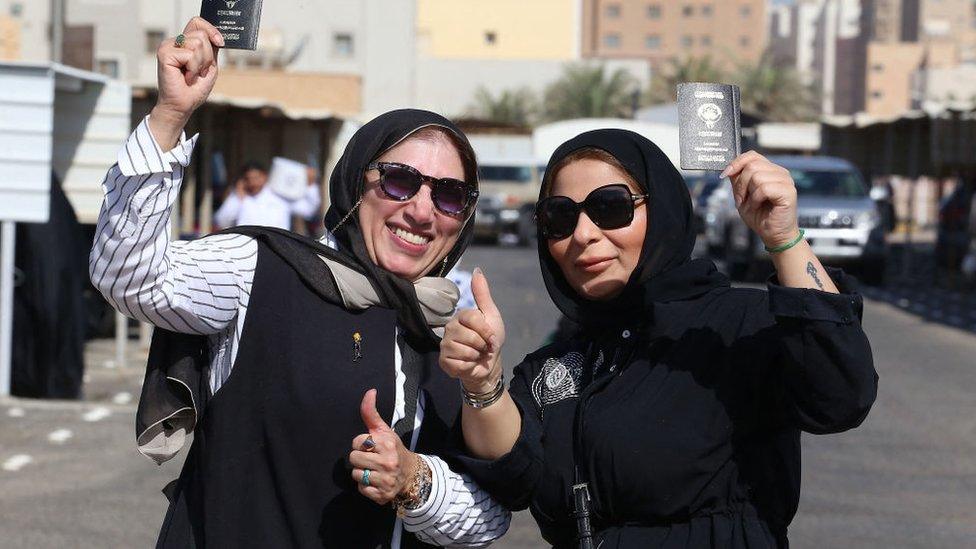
<point x="473" y="339"/>
<point x="380" y="452"/>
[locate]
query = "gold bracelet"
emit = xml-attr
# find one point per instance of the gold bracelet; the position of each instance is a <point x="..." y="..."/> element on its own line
<point x="417" y="491"/>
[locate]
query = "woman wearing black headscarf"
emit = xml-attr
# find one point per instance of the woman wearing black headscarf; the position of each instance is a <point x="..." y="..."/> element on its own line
<point x="673" y="417"/>
<point x="268" y="341"/>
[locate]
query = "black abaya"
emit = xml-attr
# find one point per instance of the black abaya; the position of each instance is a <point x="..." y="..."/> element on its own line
<point x="692" y="394"/>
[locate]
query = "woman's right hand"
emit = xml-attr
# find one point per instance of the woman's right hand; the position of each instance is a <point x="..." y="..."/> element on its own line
<point x="473" y="339"/>
<point x="185" y="77"/>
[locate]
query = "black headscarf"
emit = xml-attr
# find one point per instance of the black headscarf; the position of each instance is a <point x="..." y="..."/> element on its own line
<point x="665" y="271"/>
<point x="346" y="189"/>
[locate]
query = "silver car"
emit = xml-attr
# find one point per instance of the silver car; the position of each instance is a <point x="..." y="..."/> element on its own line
<point x="509" y="189"/>
<point x="841" y="221"/>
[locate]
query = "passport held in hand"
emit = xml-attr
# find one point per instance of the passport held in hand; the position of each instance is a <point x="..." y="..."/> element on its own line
<point x="709" y="131"/>
<point x="237" y="20"/>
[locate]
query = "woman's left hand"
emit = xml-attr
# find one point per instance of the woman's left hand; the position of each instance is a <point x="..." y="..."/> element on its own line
<point x="380" y="450"/>
<point x="765" y="196"/>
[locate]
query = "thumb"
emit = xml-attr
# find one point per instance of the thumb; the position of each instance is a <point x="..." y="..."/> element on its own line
<point x="371" y="418"/>
<point x="481" y="293"/>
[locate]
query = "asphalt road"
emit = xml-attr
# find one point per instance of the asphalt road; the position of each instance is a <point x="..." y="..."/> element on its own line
<point x="70" y="475"/>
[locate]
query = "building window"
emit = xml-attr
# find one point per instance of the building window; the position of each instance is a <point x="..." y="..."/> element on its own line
<point x="688" y="11"/>
<point x="652" y="41"/>
<point x="109" y="67"/>
<point x="687" y="41"/>
<point x="611" y="40"/>
<point x="653" y="11"/>
<point x="342" y="45"/>
<point x="16" y="9"/>
<point x="613" y="11"/>
<point x="877" y="94"/>
<point x="745" y="11"/>
<point x="153" y="39"/>
<point x="705" y="40"/>
<point x="491" y="37"/>
<point x="706" y="10"/>
<point x="744" y="41"/>
<point x="877" y="67"/>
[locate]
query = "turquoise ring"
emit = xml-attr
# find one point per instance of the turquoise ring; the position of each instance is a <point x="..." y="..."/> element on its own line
<point x="365" y="480"/>
<point x="180" y="40"/>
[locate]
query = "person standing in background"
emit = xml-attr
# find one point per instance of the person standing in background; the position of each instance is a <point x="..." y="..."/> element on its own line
<point x="254" y="202"/>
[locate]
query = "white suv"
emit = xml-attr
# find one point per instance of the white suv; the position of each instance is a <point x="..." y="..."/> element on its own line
<point x="841" y="221"/>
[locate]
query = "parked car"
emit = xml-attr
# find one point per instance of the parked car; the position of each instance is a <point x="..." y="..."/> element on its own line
<point x="509" y="190"/>
<point x="955" y="233"/>
<point x="841" y="221"/>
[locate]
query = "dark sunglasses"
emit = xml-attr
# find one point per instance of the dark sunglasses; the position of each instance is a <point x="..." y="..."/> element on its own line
<point x="400" y="182"/>
<point x="608" y="207"/>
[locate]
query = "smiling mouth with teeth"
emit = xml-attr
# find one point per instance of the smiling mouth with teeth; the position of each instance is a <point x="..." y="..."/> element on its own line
<point x="411" y="237"/>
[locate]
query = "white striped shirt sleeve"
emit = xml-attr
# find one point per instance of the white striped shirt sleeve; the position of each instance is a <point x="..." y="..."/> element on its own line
<point x="190" y="287"/>
<point x="457" y="513"/>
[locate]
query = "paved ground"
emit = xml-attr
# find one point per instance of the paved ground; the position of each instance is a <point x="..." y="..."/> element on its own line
<point x="70" y="475"/>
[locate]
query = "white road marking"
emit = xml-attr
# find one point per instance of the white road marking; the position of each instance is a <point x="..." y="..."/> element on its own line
<point x="96" y="414"/>
<point x="123" y="397"/>
<point x="59" y="436"/>
<point x="14" y="463"/>
<point x="16" y="412"/>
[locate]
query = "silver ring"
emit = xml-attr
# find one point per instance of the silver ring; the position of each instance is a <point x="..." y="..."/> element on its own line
<point x="365" y="479"/>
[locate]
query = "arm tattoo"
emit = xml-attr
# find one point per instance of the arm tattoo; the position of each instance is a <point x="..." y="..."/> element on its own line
<point x="812" y="271"/>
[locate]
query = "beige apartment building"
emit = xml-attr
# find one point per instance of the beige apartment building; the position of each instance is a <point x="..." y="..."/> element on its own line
<point x="464" y="46"/>
<point x="909" y="39"/>
<point x="892" y="69"/>
<point x="950" y="21"/>
<point x="498" y="29"/>
<point x="889" y="20"/>
<point x="728" y="31"/>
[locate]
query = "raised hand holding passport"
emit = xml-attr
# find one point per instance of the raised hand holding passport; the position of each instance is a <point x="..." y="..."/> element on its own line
<point x="185" y="76"/>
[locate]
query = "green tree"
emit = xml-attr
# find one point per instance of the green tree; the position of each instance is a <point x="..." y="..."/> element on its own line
<point x="664" y="84"/>
<point x="517" y="107"/>
<point x="775" y="93"/>
<point x="588" y="91"/>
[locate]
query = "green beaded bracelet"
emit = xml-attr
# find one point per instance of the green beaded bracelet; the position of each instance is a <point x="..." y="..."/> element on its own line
<point x="787" y="246"/>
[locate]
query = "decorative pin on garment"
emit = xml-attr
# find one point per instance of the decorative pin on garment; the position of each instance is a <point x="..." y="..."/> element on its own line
<point x="357" y="346"/>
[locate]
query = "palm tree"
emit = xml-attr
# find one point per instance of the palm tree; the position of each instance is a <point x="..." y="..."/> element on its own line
<point x="516" y="107"/>
<point x="776" y="93"/>
<point x="664" y="85"/>
<point x="587" y="91"/>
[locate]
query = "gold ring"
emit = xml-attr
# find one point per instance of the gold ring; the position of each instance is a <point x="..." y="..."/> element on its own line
<point x="180" y="40"/>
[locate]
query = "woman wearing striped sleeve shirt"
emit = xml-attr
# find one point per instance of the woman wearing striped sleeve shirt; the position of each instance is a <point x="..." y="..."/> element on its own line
<point x="289" y="336"/>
